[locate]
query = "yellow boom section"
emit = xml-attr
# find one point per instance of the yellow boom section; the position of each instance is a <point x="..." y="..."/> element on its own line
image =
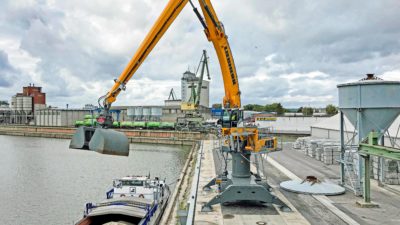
<point x="214" y="32"/>
<point x="168" y="15"/>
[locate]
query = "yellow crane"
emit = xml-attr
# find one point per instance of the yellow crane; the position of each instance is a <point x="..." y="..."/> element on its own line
<point x="239" y="141"/>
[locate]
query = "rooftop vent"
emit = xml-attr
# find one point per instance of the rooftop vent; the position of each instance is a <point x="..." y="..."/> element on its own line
<point x="371" y="76"/>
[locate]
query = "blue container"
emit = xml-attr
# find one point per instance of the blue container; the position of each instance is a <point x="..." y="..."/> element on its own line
<point x="216" y="112"/>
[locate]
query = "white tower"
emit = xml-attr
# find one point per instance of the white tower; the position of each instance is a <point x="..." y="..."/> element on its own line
<point x="188" y="80"/>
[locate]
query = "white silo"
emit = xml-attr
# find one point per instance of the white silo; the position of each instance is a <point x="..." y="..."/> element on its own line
<point x="156" y="113"/>
<point x="19" y="103"/>
<point x="14" y="102"/>
<point x="27" y="104"/>
<point x="138" y="113"/>
<point x="146" y="113"/>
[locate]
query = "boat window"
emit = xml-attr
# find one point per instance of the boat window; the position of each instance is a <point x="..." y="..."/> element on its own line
<point x="117" y="183"/>
<point x="132" y="182"/>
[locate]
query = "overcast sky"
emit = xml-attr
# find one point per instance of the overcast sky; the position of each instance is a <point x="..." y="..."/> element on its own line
<point x="289" y="51"/>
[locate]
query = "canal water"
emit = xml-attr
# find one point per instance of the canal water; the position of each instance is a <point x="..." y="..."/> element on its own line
<point x="42" y="181"/>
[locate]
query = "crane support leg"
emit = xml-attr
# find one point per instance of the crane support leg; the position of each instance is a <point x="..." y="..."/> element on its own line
<point x="245" y="189"/>
<point x="241" y="185"/>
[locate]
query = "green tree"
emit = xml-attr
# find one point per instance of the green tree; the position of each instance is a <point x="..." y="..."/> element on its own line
<point x="4" y="103"/>
<point x="331" y="110"/>
<point x="300" y="110"/>
<point x="307" y="111"/>
<point x="254" y="107"/>
<point x="275" y="107"/>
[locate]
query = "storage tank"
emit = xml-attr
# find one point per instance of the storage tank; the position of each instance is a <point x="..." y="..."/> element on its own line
<point x="156" y="113"/>
<point x="138" y="112"/>
<point x="167" y="125"/>
<point x="19" y="103"/>
<point x="130" y="111"/>
<point x="146" y="113"/>
<point x="153" y="125"/>
<point x="139" y="124"/>
<point x="14" y="102"/>
<point x="27" y="104"/>
<point x="370" y="105"/>
<point x="135" y="112"/>
<point x="125" y="124"/>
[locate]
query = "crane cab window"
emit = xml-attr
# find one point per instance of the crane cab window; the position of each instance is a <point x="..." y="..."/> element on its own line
<point x="231" y="118"/>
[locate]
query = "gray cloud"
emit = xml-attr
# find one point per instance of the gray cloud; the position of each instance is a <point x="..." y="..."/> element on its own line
<point x="5" y="70"/>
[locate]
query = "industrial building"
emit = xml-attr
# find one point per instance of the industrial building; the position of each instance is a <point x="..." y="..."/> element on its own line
<point x="23" y="105"/>
<point x="171" y="109"/>
<point x="144" y="113"/>
<point x="29" y="107"/>
<point x="55" y="117"/>
<point x="32" y="98"/>
<point x="59" y="117"/>
<point x="293" y="125"/>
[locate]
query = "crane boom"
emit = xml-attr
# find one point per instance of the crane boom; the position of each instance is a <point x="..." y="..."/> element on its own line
<point x="214" y="32"/>
<point x="232" y="121"/>
<point x="168" y="15"/>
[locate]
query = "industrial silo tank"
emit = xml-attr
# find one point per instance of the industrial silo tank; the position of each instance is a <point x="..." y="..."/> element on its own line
<point x="27" y="104"/>
<point x="130" y="111"/>
<point x="370" y="105"/>
<point x="19" y="103"/>
<point x="156" y="111"/>
<point x="14" y="102"/>
<point x="138" y="111"/>
<point x="146" y="111"/>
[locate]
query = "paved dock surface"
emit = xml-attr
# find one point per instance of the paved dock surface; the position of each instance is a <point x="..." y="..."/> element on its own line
<point x="301" y="165"/>
<point x="234" y="214"/>
<point x="307" y="209"/>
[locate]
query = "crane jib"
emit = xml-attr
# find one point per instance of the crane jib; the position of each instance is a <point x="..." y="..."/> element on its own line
<point x="228" y="58"/>
<point x="153" y="42"/>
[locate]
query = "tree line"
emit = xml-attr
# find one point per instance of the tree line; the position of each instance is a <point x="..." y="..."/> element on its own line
<point x="280" y="110"/>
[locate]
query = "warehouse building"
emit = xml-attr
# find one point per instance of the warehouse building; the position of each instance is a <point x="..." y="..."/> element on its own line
<point x="59" y="117"/>
<point x="330" y="129"/>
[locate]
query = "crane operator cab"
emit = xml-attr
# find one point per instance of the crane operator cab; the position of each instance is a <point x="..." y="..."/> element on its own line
<point x="231" y="118"/>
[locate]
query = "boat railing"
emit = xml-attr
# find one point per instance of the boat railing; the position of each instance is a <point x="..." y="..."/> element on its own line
<point x="90" y="206"/>
<point x="150" y="213"/>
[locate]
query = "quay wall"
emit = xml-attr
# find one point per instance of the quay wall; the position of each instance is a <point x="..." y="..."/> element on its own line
<point x="134" y="136"/>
